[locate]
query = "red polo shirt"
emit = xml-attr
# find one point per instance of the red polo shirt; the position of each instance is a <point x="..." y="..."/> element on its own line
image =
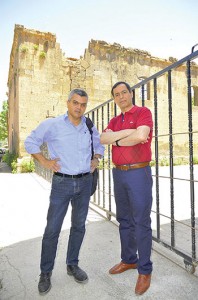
<point x="135" y="117"/>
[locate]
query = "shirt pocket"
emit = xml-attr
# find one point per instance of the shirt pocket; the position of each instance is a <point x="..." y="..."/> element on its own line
<point x="85" y="140"/>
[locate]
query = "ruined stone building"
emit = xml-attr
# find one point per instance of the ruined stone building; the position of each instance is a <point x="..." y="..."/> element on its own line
<point x="41" y="76"/>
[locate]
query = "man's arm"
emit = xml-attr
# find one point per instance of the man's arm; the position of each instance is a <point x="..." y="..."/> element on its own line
<point x="139" y="135"/>
<point x="47" y="163"/>
<point x="109" y="137"/>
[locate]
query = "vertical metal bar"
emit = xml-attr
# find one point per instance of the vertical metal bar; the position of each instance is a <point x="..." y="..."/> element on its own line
<point x="190" y="129"/>
<point x="103" y="164"/>
<point x="171" y="158"/>
<point x="142" y="89"/>
<point x="93" y="120"/>
<point x="133" y="91"/>
<point x="93" y="116"/>
<point x="115" y="110"/>
<point x="97" y="119"/>
<point x="156" y="158"/>
<point x="109" y="163"/>
<point x="97" y="124"/>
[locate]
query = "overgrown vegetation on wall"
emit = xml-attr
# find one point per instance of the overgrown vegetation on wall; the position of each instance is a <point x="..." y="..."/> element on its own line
<point x="4" y="122"/>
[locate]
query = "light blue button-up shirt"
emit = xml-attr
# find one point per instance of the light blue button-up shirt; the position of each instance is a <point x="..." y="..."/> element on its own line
<point x="70" y="143"/>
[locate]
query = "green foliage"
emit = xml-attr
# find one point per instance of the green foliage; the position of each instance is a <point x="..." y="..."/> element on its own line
<point x="24" y="167"/>
<point x="24" y="49"/>
<point x="9" y="158"/>
<point x="27" y="166"/>
<point x="179" y="161"/>
<point x="14" y="166"/>
<point x="195" y="160"/>
<point x="4" y="121"/>
<point x="152" y="163"/>
<point x="36" y="47"/>
<point x="164" y="162"/>
<point x="42" y="54"/>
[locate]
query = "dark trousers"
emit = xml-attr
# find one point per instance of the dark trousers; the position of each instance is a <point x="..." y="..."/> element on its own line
<point x="133" y="196"/>
<point x="63" y="191"/>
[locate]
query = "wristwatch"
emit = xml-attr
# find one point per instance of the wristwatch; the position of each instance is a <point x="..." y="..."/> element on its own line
<point x="117" y="143"/>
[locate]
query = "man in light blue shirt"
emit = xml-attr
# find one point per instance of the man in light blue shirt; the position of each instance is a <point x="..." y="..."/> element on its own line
<point x="69" y="145"/>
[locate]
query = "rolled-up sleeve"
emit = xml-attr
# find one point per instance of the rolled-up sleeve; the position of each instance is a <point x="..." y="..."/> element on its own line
<point x="37" y="137"/>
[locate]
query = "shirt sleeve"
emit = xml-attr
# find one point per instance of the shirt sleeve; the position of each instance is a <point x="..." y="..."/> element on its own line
<point x="98" y="147"/>
<point x="36" y="138"/>
<point x="145" y="118"/>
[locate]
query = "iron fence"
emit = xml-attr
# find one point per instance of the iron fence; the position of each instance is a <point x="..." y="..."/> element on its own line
<point x="174" y="165"/>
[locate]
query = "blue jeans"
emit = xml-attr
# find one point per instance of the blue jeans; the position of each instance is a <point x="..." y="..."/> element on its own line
<point x="63" y="191"/>
<point x="133" y="196"/>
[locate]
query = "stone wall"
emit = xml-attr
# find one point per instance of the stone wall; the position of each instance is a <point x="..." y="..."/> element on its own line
<point x="41" y="76"/>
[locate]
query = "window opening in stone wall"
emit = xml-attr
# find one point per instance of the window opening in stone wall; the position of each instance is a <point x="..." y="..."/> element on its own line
<point x="46" y="46"/>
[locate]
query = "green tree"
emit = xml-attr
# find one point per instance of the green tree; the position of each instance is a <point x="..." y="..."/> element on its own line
<point x="4" y="121"/>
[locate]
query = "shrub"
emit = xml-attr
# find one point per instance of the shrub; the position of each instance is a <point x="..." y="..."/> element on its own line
<point x="24" y="49"/>
<point x="14" y="166"/>
<point x="27" y="166"/>
<point x="195" y="160"/>
<point x="42" y="54"/>
<point x="36" y="47"/>
<point x="23" y="167"/>
<point x="164" y="161"/>
<point x="9" y="158"/>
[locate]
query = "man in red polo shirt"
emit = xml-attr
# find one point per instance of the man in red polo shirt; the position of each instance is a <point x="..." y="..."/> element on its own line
<point x="130" y="134"/>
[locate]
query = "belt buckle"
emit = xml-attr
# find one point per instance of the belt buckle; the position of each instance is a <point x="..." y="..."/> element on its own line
<point x="127" y="167"/>
<point x="124" y="168"/>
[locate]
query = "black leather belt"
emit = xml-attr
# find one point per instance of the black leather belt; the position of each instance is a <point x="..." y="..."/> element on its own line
<point x="71" y="176"/>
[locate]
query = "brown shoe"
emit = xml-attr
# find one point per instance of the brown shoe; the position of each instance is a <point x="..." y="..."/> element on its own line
<point x="143" y="283"/>
<point x="121" y="267"/>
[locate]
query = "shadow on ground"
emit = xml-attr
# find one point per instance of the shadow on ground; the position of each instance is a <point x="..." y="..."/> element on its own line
<point x="20" y="269"/>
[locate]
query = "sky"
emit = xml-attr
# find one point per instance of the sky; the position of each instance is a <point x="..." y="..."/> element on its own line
<point x="163" y="28"/>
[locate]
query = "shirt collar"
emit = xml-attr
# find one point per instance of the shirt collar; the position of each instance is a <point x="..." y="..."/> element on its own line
<point x="83" y="119"/>
<point x="130" y="111"/>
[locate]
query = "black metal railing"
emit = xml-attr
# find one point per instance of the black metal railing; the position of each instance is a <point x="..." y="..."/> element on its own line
<point x="173" y="226"/>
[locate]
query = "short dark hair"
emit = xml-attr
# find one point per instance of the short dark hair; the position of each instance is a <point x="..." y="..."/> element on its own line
<point x="118" y="83"/>
<point x="79" y="92"/>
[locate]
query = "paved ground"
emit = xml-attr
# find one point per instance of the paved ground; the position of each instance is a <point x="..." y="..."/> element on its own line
<point x="23" y="208"/>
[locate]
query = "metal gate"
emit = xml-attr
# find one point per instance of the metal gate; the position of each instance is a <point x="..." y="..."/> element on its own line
<point x="172" y="96"/>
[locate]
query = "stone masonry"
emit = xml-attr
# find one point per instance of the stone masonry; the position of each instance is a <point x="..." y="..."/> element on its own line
<point x="41" y="76"/>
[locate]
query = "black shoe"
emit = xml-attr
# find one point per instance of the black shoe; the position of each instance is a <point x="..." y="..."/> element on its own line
<point x="44" y="283"/>
<point x="79" y="275"/>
